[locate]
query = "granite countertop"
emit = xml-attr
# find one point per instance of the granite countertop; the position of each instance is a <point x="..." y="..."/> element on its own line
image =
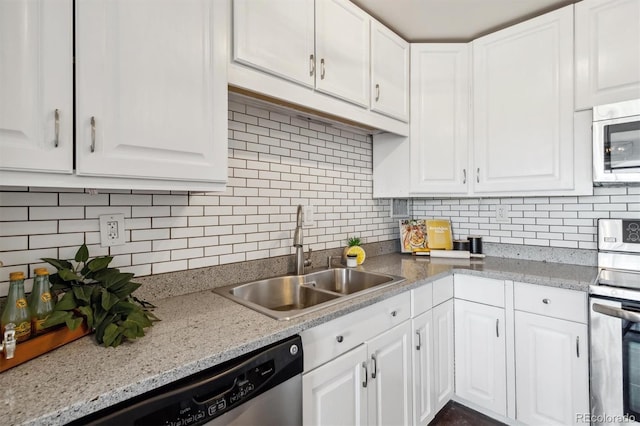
<point x="200" y="330"/>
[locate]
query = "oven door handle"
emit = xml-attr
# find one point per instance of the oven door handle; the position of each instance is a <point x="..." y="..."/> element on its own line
<point x="617" y="312"/>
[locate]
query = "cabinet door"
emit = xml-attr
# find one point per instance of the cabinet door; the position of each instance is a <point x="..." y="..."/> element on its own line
<point x="336" y="393"/>
<point x="607" y="52"/>
<point x="439" y="118"/>
<point x="151" y="89"/>
<point x="276" y="37"/>
<point x="523" y="106"/>
<point x="390" y="394"/>
<point x="342" y="49"/>
<point x="552" y="370"/>
<point x="389" y="72"/>
<point x="423" y="369"/>
<point x="481" y="366"/>
<point x="36" y="85"/>
<point x="443" y="354"/>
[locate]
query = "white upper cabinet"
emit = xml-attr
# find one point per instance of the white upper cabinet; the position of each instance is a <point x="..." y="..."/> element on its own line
<point x="523" y="107"/>
<point x="389" y="72"/>
<point x="439" y="118"/>
<point x="151" y="90"/>
<point x="276" y="37"/>
<point x="342" y="49"/>
<point x="607" y="52"/>
<point x="319" y="56"/>
<point x="36" y="85"/>
<point x="150" y="94"/>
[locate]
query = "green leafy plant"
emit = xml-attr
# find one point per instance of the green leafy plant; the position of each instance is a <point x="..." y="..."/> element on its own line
<point x="101" y="296"/>
<point x="353" y="241"/>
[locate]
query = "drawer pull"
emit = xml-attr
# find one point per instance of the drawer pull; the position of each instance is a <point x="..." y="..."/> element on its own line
<point x="578" y="346"/>
<point x="374" y="371"/>
<point x="497" y="325"/>
<point x="394" y="313"/>
<point x="419" y="345"/>
<point x="546" y="301"/>
<point x="366" y="374"/>
<point x="339" y="339"/>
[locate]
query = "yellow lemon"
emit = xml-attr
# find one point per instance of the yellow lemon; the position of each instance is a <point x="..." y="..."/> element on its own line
<point x="357" y="250"/>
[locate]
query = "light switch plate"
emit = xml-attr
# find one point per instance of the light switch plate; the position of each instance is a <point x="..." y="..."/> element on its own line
<point x="111" y="229"/>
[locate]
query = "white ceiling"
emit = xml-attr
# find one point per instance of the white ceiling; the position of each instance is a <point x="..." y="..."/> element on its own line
<point x="454" y="20"/>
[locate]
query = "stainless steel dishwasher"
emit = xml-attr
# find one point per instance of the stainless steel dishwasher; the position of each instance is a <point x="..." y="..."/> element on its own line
<point x="263" y="387"/>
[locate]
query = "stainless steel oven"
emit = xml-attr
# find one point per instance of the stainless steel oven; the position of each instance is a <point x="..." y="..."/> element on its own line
<point x="616" y="142"/>
<point x="615" y="324"/>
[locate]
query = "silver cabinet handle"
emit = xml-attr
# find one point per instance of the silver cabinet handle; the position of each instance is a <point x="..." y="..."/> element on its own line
<point x="419" y="345"/>
<point x="377" y="92"/>
<point x="322" y="69"/>
<point x="464" y="175"/>
<point x="546" y="301"/>
<point x="56" y="115"/>
<point x="366" y="375"/>
<point x="616" y="312"/>
<point x="339" y="339"/>
<point x="478" y="175"/>
<point x="497" y="325"/>
<point x="374" y="371"/>
<point x="93" y="134"/>
<point x="578" y="346"/>
<point x="312" y="65"/>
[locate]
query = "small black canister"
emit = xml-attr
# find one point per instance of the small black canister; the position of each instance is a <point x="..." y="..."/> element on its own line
<point x="475" y="244"/>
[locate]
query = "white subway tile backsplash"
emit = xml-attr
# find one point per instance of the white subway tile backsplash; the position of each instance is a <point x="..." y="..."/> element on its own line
<point x="276" y="161"/>
<point x="8" y="214"/>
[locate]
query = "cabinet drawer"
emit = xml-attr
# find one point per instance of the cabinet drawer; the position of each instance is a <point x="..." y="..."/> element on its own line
<point x="327" y="341"/>
<point x="421" y="299"/>
<point x="479" y="289"/>
<point x="551" y="301"/>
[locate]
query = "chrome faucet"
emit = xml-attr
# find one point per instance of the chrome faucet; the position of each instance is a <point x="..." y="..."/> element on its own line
<point x="297" y="243"/>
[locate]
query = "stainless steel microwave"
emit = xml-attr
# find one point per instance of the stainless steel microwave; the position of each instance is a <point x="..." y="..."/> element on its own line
<point x="616" y="142"/>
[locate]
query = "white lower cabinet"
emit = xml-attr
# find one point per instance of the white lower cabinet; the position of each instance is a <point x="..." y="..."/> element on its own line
<point x="520" y="353"/>
<point x="551" y="352"/>
<point x="335" y="393"/>
<point x="358" y="367"/>
<point x="432" y="349"/>
<point x="443" y="353"/>
<point x="480" y="355"/>
<point x="369" y="385"/>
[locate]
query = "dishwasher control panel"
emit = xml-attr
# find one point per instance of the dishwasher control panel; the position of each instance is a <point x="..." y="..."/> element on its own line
<point x="213" y="399"/>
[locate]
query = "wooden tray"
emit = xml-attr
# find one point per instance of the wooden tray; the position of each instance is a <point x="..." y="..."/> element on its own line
<point x="42" y="344"/>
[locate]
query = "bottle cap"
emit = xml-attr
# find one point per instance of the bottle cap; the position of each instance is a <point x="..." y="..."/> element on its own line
<point x="41" y="271"/>
<point x="15" y="276"/>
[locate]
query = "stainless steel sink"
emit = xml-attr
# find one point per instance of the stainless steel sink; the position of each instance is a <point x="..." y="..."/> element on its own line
<point x="290" y="296"/>
<point x="346" y="281"/>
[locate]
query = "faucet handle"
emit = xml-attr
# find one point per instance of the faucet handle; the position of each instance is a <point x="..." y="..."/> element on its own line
<point x="330" y="260"/>
<point x="307" y="261"/>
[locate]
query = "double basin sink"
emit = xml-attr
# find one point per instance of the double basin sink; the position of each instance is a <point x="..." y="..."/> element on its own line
<point x="290" y="296"/>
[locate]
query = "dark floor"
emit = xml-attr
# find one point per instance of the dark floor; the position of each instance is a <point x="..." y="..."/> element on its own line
<point x="454" y="414"/>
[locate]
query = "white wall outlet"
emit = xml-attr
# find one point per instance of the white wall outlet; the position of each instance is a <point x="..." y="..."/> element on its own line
<point x="502" y="214"/>
<point x="307" y="216"/>
<point x="111" y="229"/>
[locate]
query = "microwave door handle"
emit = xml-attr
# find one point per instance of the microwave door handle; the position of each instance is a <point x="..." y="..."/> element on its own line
<point x="617" y="312"/>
